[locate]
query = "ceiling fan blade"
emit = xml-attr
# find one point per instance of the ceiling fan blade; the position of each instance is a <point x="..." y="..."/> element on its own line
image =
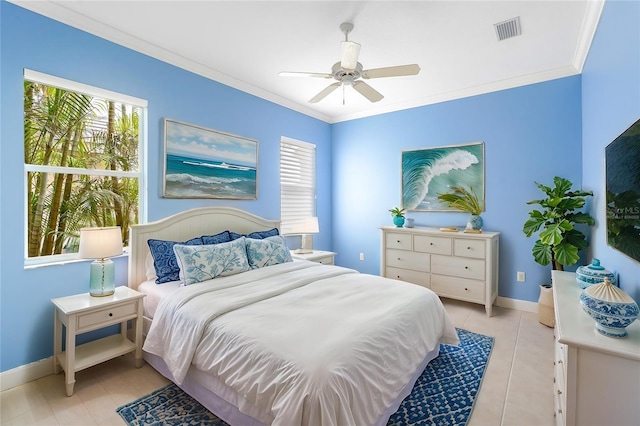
<point x="349" y="57"/>
<point x="367" y="91"/>
<point x="320" y="96"/>
<point x="397" y="71"/>
<point x="304" y="74"/>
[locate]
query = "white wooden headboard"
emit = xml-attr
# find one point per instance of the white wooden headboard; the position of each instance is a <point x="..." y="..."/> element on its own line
<point x="185" y="225"/>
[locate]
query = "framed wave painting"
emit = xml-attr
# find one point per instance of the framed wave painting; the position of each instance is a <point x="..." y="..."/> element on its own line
<point x="204" y="163"/>
<point x="431" y="171"/>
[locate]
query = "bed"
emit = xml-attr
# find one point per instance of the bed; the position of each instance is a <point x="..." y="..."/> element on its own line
<point x="283" y="343"/>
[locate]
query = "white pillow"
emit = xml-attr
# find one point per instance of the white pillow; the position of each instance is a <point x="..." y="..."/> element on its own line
<point x="267" y="251"/>
<point x="205" y="262"/>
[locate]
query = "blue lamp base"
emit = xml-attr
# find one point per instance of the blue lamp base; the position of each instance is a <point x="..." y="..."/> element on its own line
<point x="102" y="280"/>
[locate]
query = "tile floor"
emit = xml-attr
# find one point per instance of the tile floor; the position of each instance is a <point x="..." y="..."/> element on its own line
<point x="517" y="388"/>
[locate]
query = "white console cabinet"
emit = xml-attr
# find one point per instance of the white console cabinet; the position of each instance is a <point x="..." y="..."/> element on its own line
<point x="596" y="378"/>
<point x="456" y="265"/>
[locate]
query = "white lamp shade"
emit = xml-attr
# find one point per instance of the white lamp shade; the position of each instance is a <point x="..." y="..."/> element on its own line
<point x="99" y="243"/>
<point x="308" y="225"/>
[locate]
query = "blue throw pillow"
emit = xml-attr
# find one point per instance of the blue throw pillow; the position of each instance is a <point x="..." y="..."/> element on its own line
<point x="206" y="262"/>
<point x="164" y="259"/>
<point x="267" y="251"/>
<point x="258" y="235"/>
<point x="223" y="237"/>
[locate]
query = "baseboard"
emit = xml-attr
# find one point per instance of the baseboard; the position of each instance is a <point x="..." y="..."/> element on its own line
<point x="26" y="373"/>
<point x="521" y="305"/>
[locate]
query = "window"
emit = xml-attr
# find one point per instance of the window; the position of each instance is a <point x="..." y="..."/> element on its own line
<point x="297" y="182"/>
<point x="82" y="162"/>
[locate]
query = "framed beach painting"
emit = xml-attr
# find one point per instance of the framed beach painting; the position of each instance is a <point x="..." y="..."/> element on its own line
<point x="205" y="163"/>
<point x="431" y="171"/>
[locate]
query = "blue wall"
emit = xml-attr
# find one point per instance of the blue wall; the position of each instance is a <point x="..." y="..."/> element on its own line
<point x="610" y="104"/>
<point x="530" y="133"/>
<point x="34" y="42"/>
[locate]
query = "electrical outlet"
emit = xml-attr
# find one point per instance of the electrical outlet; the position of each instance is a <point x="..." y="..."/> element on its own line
<point x="361" y="256"/>
<point x="520" y="276"/>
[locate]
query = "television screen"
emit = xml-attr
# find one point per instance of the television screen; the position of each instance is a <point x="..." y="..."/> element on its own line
<point x="622" y="168"/>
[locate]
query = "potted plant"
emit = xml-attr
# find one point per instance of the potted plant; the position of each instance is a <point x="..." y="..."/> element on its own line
<point x="559" y="241"/>
<point x="398" y="216"/>
<point x="465" y="200"/>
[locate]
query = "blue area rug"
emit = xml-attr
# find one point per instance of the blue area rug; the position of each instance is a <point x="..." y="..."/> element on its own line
<point x="443" y="395"/>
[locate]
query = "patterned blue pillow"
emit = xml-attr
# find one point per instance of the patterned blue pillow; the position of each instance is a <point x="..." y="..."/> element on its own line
<point x="164" y="259"/>
<point x="205" y="262"/>
<point x="268" y="251"/>
<point x="222" y="237"/>
<point x="258" y="235"/>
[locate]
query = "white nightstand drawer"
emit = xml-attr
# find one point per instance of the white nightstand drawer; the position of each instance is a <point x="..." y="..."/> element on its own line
<point x="433" y="245"/>
<point x="399" y="241"/>
<point x="408" y="260"/>
<point x="469" y="248"/>
<point x="325" y="260"/>
<point x="112" y="315"/>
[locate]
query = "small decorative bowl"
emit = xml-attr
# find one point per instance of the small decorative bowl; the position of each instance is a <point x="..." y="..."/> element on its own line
<point x="593" y="274"/>
<point x="611" y="308"/>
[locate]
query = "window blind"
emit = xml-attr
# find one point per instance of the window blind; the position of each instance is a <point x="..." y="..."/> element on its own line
<point x="297" y="183"/>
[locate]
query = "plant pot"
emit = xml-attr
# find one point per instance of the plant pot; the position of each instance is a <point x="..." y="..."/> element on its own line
<point x="475" y="222"/>
<point x="546" y="314"/>
<point x="398" y="221"/>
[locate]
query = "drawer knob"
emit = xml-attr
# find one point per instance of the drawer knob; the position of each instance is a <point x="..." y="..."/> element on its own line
<point x="466" y="267"/>
<point x="110" y="314"/>
<point x="466" y="289"/>
<point x="398" y="241"/>
<point x="398" y="277"/>
<point x="430" y="244"/>
<point x="398" y="258"/>
<point x="468" y="248"/>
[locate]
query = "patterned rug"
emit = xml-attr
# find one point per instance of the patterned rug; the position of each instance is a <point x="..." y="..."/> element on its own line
<point x="443" y="395"/>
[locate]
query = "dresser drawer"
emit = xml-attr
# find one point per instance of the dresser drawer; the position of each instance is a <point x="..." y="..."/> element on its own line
<point x="458" y="288"/>
<point x="458" y="267"/>
<point x="415" y="277"/>
<point x="433" y="245"/>
<point x="325" y="260"/>
<point x="469" y="248"/>
<point x="408" y="260"/>
<point x="101" y="318"/>
<point x="398" y="241"/>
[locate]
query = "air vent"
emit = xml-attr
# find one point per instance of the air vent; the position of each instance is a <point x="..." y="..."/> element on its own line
<point x="507" y="29"/>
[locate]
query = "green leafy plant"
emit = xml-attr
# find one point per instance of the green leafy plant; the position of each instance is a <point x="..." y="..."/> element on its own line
<point x="559" y="241"/>
<point x="397" y="212"/>
<point x="462" y="199"/>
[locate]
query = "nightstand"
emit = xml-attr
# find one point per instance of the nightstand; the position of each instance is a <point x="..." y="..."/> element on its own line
<point x="82" y="313"/>
<point x="324" y="257"/>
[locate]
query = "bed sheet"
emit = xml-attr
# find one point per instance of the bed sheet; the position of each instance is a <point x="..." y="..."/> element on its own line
<point x="155" y="293"/>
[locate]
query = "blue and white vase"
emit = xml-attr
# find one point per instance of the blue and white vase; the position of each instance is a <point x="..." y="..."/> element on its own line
<point x="475" y="222"/>
<point x="611" y="308"/>
<point x="593" y="274"/>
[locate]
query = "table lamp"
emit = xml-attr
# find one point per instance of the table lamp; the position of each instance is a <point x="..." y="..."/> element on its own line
<point x="305" y="228"/>
<point x="100" y="244"/>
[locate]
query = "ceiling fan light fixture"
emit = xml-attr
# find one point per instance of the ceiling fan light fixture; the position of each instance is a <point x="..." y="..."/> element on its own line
<point x="350" y="53"/>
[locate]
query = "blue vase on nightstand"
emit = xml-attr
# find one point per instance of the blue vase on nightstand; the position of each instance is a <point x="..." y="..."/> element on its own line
<point x="475" y="222"/>
<point x="398" y="221"/>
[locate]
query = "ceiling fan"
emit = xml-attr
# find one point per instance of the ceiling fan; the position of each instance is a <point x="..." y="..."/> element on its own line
<point x="348" y="72"/>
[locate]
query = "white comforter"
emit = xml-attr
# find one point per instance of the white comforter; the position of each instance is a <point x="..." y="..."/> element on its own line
<point x="308" y="343"/>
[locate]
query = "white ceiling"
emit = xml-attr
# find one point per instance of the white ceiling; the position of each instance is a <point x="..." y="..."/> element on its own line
<point x="244" y="44"/>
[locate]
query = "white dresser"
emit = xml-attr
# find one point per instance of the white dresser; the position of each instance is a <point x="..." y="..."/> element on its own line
<point x="452" y="264"/>
<point x="596" y="378"/>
